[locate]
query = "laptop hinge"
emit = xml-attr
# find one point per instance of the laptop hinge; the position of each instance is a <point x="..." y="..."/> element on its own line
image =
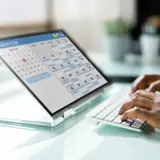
<point x="69" y="112"/>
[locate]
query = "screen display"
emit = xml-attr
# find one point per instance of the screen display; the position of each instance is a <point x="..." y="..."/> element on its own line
<point x="52" y="67"/>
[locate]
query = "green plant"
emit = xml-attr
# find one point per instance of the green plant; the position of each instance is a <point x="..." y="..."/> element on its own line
<point x="117" y="26"/>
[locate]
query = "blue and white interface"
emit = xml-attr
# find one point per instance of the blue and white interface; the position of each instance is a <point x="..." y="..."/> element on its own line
<point x="52" y="67"/>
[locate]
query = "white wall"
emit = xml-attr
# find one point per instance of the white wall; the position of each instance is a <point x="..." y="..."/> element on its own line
<point x="83" y="19"/>
<point x="22" y="11"/>
<point x="128" y="9"/>
<point x="86" y="9"/>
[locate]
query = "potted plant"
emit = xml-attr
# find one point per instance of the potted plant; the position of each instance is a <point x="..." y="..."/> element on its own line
<point x="117" y="38"/>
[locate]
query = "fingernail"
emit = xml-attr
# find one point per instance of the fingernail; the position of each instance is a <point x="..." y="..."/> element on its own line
<point x="119" y="113"/>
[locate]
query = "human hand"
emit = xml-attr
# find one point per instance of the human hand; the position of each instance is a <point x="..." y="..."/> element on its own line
<point x="143" y="105"/>
<point x="155" y="86"/>
<point x="152" y="82"/>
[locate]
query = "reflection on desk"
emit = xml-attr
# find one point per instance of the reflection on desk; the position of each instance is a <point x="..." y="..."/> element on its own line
<point x="89" y="142"/>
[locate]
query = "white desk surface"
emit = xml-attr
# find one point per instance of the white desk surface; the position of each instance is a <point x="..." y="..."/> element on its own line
<point x="90" y="142"/>
<point x="112" y="68"/>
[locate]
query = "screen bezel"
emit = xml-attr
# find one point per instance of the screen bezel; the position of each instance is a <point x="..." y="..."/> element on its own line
<point x="77" y="46"/>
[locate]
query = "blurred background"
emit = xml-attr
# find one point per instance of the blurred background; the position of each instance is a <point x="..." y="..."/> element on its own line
<point x="121" y="36"/>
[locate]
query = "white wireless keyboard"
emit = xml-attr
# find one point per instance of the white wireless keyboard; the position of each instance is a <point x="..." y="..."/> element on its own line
<point x="107" y="113"/>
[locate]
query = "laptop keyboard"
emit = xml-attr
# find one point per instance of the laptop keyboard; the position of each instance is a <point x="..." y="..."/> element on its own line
<point x="107" y="112"/>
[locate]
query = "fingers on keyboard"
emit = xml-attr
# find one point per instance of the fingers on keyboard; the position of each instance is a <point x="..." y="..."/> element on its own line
<point x="118" y="120"/>
<point x="137" y="124"/>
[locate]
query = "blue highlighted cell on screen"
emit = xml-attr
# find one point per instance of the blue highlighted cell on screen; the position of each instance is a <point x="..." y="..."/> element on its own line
<point x="38" y="77"/>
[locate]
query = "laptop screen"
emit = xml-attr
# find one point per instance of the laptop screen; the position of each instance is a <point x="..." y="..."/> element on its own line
<point x="52" y="68"/>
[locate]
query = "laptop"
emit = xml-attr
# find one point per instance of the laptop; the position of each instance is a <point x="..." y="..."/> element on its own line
<point x="60" y="77"/>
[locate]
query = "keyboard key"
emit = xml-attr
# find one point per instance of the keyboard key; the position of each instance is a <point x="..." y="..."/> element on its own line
<point x="131" y="120"/>
<point x="97" y="110"/>
<point x="138" y="120"/>
<point x="115" y="113"/>
<point x="108" y="110"/>
<point x="136" y="124"/>
<point x="126" y="123"/>
<point x="118" y="120"/>
<point x="101" y="116"/>
<point x="94" y="113"/>
<point x="109" y="118"/>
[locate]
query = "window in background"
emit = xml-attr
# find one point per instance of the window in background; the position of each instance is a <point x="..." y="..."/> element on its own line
<point x="84" y="19"/>
<point x="26" y="11"/>
<point x="24" y="16"/>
